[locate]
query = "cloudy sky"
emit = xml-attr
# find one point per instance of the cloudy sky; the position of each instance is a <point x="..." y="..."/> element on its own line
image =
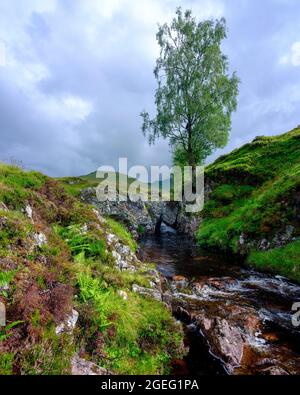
<point x="75" y="75"/>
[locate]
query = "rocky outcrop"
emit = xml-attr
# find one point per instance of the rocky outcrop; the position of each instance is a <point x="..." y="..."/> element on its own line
<point x="144" y="217"/>
<point x="280" y="239"/>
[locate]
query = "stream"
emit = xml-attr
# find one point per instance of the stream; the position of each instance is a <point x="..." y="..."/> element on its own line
<point x="236" y="320"/>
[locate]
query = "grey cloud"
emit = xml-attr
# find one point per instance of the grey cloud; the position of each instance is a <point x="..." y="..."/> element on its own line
<point x="106" y="60"/>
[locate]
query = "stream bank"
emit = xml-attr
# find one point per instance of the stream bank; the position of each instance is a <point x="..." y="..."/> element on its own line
<point x="237" y="321"/>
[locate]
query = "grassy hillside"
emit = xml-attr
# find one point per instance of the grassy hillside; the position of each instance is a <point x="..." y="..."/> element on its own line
<point x="74" y="185"/>
<point x="53" y="259"/>
<point x="255" y="202"/>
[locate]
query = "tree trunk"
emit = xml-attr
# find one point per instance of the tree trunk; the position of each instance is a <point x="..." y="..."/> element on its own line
<point x="191" y="157"/>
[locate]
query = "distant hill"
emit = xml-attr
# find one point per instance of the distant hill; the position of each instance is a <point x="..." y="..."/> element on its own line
<point x="74" y="185"/>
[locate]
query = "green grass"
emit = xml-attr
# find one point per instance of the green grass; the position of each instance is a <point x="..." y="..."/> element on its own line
<point x="123" y="234"/>
<point x="139" y="335"/>
<point x="6" y="277"/>
<point x="255" y="192"/>
<point x="50" y="356"/>
<point x="15" y="226"/>
<point x="6" y="363"/>
<point x="74" y="185"/>
<point x="83" y="241"/>
<point x="284" y="260"/>
<point x="72" y="270"/>
<point x="17" y="185"/>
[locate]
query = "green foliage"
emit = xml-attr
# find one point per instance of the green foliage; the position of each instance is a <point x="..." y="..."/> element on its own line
<point x="74" y="185"/>
<point x="17" y="185"/>
<point x="195" y="96"/>
<point x="284" y="260"/>
<point x="6" y="363"/>
<point x="6" y="331"/>
<point x="259" y="161"/>
<point x="6" y="277"/>
<point x="123" y="234"/>
<point x="141" y="229"/>
<point x="50" y="356"/>
<point x="254" y="193"/>
<point x="14" y="227"/>
<point x="127" y="336"/>
<point x="81" y="240"/>
<point x="139" y="335"/>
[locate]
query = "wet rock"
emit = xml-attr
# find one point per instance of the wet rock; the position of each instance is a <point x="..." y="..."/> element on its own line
<point x="182" y="315"/>
<point x="226" y="340"/>
<point x="234" y="330"/>
<point x="82" y="367"/>
<point x="230" y="342"/>
<point x="270" y="337"/>
<point x="180" y="282"/>
<point x="207" y="323"/>
<point x="274" y="371"/>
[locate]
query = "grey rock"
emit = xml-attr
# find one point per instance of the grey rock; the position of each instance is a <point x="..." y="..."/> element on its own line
<point x="82" y="367"/>
<point x="28" y="211"/>
<point x="69" y="324"/>
<point x="154" y="294"/>
<point x="40" y="239"/>
<point x="123" y="294"/>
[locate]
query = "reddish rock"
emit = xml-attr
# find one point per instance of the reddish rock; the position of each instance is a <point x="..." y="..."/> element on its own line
<point x="178" y="278"/>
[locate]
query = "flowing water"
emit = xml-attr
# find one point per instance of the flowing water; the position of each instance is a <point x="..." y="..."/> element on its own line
<point x="272" y="296"/>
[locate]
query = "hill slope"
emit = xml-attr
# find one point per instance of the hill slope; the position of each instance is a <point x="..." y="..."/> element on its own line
<point x="66" y="298"/>
<point x="254" y="204"/>
<point x="74" y="185"/>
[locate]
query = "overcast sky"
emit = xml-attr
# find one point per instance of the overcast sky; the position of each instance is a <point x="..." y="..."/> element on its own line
<point x="75" y="75"/>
